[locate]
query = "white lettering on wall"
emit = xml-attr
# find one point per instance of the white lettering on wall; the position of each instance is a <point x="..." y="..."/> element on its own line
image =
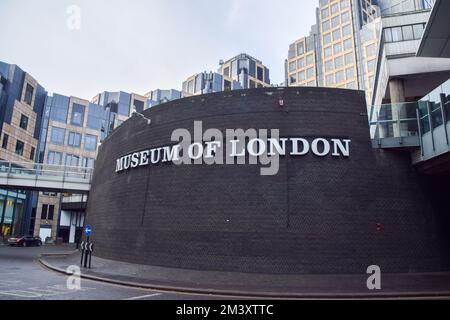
<point x="256" y="148"/>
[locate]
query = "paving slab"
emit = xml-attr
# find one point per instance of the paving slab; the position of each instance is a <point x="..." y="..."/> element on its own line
<point x="252" y="284"/>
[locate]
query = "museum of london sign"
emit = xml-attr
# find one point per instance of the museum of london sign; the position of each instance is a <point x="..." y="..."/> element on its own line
<point x="238" y="147"/>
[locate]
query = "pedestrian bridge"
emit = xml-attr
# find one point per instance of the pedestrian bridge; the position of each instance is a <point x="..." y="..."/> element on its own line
<point x="422" y="128"/>
<point x="44" y="177"/>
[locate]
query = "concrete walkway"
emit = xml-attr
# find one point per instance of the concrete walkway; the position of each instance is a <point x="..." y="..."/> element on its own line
<point x="255" y="285"/>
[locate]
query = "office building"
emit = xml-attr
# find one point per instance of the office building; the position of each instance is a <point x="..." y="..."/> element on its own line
<point x="120" y="106"/>
<point x="71" y="132"/>
<point x="368" y="45"/>
<point x="158" y="96"/>
<point x="244" y="72"/>
<point x="240" y="72"/>
<point x="22" y="100"/>
<point x="205" y="82"/>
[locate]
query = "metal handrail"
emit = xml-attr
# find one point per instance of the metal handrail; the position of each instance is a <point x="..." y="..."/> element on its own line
<point x="40" y="169"/>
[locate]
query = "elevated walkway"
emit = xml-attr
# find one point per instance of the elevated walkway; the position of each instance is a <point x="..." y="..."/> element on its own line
<point x="422" y="128"/>
<point x="43" y="177"/>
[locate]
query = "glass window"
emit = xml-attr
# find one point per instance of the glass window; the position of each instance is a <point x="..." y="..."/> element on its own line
<point x="337" y="48"/>
<point x="352" y="85"/>
<point x="396" y="34"/>
<point x="334" y="8"/>
<point x="327" y="52"/>
<point x="32" y="153"/>
<point x="408" y="33"/>
<point x="293" y="78"/>
<point x="88" y="162"/>
<point x="300" y="48"/>
<point x="335" y="22"/>
<point x="252" y="68"/>
<point x="77" y="114"/>
<point x="338" y="62"/>
<point x="371" y="65"/>
<point x="29" y="94"/>
<point x="51" y="211"/>
<point x="309" y="60"/>
<point x="311" y="83"/>
<point x="90" y="142"/>
<point x="72" y="160"/>
<point x="328" y="65"/>
<point x="327" y="39"/>
<point x="57" y="135"/>
<point x="340" y="76"/>
<point x="349" y="58"/>
<point x="325" y="25"/>
<point x="96" y="117"/>
<point x="5" y="141"/>
<point x="292" y="66"/>
<point x="371" y="50"/>
<point x="44" y="211"/>
<point x="300" y="63"/>
<point x="260" y="73"/>
<point x="348" y="44"/>
<point x="54" y="157"/>
<point x="349" y="73"/>
<point x="226" y="71"/>
<point x="336" y="34"/>
<point x="301" y="76"/>
<point x="226" y="85"/>
<point x="23" y="122"/>
<point x="330" y="80"/>
<point x="310" y="73"/>
<point x="325" y="13"/>
<point x="74" y="139"/>
<point x="59" y="108"/>
<point x="138" y="105"/>
<point x="387" y="35"/>
<point x="19" y="147"/>
<point x="346" y="31"/>
<point x="190" y="87"/>
<point x="344" y="4"/>
<point x="345" y="17"/>
<point x="418" y="31"/>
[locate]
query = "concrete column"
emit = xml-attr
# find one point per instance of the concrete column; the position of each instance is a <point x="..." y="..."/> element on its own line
<point x="397" y="92"/>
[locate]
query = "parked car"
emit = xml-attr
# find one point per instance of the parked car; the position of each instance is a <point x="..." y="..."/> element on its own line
<point x="25" y="241"/>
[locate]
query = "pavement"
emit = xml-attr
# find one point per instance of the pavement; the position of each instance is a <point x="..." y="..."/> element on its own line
<point x="231" y="284"/>
<point x="23" y="277"/>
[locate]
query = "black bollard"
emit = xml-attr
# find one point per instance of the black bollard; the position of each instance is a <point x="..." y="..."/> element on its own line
<point x="86" y="253"/>
<point x="82" y="253"/>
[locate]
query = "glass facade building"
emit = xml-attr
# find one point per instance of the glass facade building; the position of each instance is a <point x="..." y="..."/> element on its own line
<point x="202" y="83"/>
<point x="345" y="46"/>
<point x="22" y="102"/>
<point x="244" y="72"/>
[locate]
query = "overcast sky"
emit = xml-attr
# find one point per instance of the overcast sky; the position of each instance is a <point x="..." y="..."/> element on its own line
<point x="141" y="45"/>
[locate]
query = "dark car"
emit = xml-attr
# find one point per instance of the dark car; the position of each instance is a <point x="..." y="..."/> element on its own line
<point x="25" y="241"/>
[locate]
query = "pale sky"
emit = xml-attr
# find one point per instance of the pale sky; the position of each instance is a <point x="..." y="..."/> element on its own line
<point x="138" y="46"/>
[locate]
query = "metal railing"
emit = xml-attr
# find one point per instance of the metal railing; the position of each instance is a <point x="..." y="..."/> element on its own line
<point x="394" y="120"/>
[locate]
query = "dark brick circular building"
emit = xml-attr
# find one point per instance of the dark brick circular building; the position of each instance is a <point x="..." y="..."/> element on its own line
<point x="317" y="215"/>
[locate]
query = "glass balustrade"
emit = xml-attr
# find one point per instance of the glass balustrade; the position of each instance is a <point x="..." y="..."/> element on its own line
<point x="394" y="121"/>
<point x="25" y="169"/>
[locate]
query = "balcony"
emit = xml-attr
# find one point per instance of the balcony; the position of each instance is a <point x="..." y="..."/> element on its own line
<point x="395" y="125"/>
<point x="422" y="126"/>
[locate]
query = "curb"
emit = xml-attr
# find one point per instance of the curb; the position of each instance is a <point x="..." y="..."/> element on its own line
<point x="244" y="294"/>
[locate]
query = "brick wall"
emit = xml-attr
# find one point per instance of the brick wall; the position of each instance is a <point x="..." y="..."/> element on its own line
<point x="317" y="215"/>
